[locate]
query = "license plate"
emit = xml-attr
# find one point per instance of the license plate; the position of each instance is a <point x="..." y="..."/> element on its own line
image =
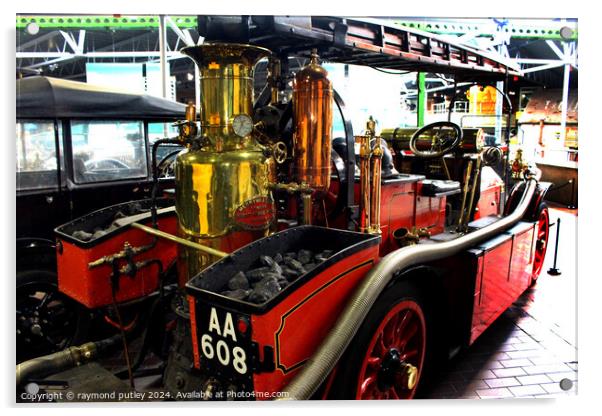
<point x="224" y="343"/>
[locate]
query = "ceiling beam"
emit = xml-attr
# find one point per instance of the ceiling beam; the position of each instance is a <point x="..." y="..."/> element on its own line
<point x="38" y="40"/>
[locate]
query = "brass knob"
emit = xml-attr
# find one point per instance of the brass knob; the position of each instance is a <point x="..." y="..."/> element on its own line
<point x="280" y="152"/>
<point x="410" y="376"/>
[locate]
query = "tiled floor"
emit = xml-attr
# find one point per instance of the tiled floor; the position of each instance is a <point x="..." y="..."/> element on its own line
<point x="532" y="346"/>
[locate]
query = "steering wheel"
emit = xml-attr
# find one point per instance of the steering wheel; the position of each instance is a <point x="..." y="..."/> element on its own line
<point x="105" y="164"/>
<point x="165" y="167"/>
<point x="444" y="136"/>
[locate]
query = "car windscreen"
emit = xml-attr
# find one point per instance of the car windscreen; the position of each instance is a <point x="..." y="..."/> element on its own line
<point x="108" y="150"/>
<point x="36" y="154"/>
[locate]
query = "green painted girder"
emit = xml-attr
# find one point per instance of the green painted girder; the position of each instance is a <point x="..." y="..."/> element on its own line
<point x="516" y="30"/>
<point x="101" y="21"/>
<point x="421" y="104"/>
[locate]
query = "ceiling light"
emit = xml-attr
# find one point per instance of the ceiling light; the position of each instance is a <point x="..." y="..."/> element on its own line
<point x="32" y="28"/>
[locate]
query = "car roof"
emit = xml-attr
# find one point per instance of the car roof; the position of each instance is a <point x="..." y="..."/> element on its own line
<point x="47" y="97"/>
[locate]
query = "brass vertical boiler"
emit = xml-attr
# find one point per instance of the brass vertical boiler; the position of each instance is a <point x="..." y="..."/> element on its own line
<point x="223" y="198"/>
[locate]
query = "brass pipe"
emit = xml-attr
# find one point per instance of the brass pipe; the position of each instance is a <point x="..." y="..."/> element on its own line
<point x="375" y="168"/>
<point x="274" y="70"/>
<point x="464" y="194"/>
<point x="445" y="168"/>
<point x="306" y="196"/>
<point x="291" y="187"/>
<point x="473" y="189"/>
<point x="306" y="199"/>
<point x="182" y="241"/>
<point x="364" y="183"/>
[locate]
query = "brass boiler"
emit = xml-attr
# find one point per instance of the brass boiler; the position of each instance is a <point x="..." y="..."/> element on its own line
<point x="312" y="107"/>
<point x="223" y="198"/>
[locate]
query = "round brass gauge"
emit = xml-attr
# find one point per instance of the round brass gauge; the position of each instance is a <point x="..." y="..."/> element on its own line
<point x="242" y="125"/>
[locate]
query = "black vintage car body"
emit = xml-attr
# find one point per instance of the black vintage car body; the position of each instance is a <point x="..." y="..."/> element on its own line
<point x="79" y="147"/>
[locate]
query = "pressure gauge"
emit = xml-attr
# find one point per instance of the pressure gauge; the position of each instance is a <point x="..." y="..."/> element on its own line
<point x="242" y="125"/>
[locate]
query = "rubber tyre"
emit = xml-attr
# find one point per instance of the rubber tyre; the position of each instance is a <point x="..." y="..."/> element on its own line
<point x="45" y="281"/>
<point x="352" y="365"/>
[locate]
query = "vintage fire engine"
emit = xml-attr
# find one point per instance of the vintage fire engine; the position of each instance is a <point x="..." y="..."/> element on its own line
<point x="308" y="266"/>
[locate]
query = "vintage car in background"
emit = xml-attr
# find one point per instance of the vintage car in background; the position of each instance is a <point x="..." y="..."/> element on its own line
<point x="79" y="147"/>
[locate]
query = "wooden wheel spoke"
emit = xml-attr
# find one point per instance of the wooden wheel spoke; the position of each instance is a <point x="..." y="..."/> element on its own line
<point x="408" y="335"/>
<point x="389" y="332"/>
<point x="367" y="383"/>
<point x="409" y="354"/>
<point x="380" y="347"/>
<point x="402" y="325"/>
<point x="374" y="363"/>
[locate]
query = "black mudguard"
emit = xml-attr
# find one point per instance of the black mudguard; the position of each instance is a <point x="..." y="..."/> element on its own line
<point x="538" y="198"/>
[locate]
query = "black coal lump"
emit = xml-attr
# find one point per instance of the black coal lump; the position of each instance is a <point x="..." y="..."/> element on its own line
<point x="276" y="268"/>
<point x="256" y="275"/>
<point x="291" y="255"/>
<point x="258" y="297"/>
<point x="266" y="277"/>
<point x="309" y="266"/>
<point x="238" y="281"/>
<point x="267" y="261"/>
<point x="304" y="256"/>
<point x="278" y="258"/>
<point x="294" y="264"/>
<point x="239" y="294"/>
<point x="119" y="215"/>
<point x="264" y="290"/>
<point x="323" y="256"/>
<point x="290" y="274"/>
<point x="82" y="235"/>
<point x="135" y="208"/>
<point x="98" y="234"/>
<point x="283" y="282"/>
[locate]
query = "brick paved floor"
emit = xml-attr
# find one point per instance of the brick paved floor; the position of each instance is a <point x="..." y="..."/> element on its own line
<point x="532" y="346"/>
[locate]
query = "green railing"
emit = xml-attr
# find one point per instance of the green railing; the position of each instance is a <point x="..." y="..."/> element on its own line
<point x="514" y="28"/>
<point x="101" y="21"/>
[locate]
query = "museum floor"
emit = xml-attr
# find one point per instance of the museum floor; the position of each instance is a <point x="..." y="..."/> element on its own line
<point x="532" y="347"/>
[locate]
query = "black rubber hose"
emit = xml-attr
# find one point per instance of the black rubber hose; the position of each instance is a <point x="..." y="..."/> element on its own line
<point x="63" y="360"/>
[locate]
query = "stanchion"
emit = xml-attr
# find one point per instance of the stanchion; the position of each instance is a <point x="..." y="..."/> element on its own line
<point x="555" y="271"/>
<point x="572" y="204"/>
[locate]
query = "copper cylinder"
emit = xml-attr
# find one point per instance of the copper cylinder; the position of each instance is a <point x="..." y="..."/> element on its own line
<point x="312" y="106"/>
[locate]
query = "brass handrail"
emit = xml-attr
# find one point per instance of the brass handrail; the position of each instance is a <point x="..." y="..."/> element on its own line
<point x="179" y="240"/>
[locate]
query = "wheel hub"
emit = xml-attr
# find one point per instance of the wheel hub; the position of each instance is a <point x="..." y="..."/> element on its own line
<point x="395" y="371"/>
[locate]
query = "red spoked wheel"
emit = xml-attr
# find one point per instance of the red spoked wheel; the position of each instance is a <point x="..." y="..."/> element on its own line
<point x="388" y="355"/>
<point x="393" y="362"/>
<point x="541" y="242"/>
